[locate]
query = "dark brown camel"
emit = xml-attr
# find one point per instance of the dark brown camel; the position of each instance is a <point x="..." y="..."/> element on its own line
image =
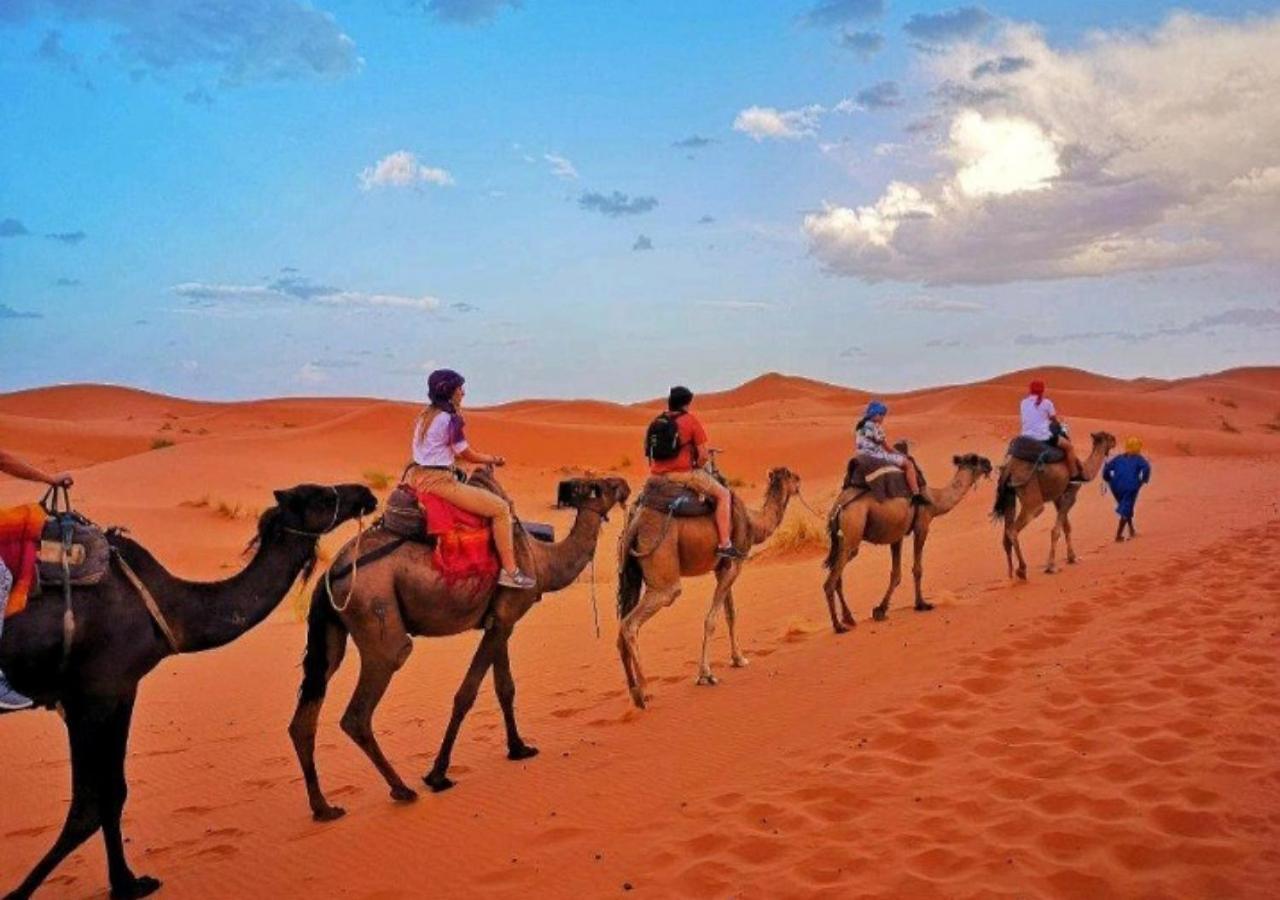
<point x="116" y="643"/>
<point x="403" y="596"/>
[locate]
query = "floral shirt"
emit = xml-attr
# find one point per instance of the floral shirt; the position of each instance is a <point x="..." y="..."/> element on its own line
<point x="870" y="438"/>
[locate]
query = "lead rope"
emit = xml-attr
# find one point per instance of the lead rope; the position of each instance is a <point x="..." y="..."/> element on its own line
<point x="595" y="608"/>
<point x="355" y="570"/>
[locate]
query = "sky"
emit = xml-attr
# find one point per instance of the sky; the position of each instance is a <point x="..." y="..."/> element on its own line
<point x="248" y="198"/>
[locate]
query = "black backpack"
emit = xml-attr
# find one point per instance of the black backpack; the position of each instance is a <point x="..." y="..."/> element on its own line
<point x="662" y="439"/>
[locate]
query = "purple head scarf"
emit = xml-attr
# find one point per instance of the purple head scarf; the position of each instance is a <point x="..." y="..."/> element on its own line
<point x="441" y="385"/>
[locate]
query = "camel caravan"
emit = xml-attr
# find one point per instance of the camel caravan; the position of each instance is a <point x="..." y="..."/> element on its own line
<point x="87" y="613"/>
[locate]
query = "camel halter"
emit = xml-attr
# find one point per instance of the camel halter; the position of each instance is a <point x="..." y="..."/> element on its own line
<point x="333" y="523"/>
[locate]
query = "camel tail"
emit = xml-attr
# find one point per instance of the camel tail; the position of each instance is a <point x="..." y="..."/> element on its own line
<point x="833" y="536"/>
<point x="315" y="661"/>
<point x="1006" y="498"/>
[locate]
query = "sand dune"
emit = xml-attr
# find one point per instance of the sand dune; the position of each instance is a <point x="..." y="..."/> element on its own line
<point x="1111" y="731"/>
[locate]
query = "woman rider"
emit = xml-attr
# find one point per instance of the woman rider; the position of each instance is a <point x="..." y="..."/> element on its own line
<point x="871" y="441"/>
<point x="438" y="441"/>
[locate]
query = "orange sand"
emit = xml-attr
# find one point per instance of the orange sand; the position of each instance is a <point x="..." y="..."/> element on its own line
<point x="1111" y="731"/>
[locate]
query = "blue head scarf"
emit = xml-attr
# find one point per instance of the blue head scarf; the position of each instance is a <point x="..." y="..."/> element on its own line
<point x="876" y="408"/>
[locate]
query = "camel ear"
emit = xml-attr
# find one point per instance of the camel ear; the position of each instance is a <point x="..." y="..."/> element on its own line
<point x="955" y="460"/>
<point x="282" y="498"/>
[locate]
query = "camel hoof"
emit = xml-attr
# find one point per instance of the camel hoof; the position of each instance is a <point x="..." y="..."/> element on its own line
<point x="924" y="606"/>
<point x="1071" y="560"/>
<point x="328" y="814"/>
<point x="879" y="614"/>
<point x="438" y="782"/>
<point x="839" y="628"/>
<point x="142" y="886"/>
<point x="1022" y="574"/>
<point x="848" y="620"/>
<point x="708" y="679"/>
<point x="524" y="751"/>
<point x="403" y="794"/>
<point x="1050" y="570"/>
<point x="638" y="699"/>
<point x="741" y="662"/>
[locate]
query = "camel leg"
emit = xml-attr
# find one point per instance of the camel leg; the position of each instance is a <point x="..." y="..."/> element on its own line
<point x="1066" y="533"/>
<point x="833" y="588"/>
<point x="377" y="665"/>
<point x="98" y="731"/>
<point x="504" y="685"/>
<point x="1025" y="515"/>
<point x="736" y="656"/>
<point x="1008" y="539"/>
<point x="437" y="779"/>
<point x="629" y="637"/>
<point x="724" y="581"/>
<point x="302" y="730"/>
<point x="881" y="612"/>
<point x="1056" y="533"/>
<point x="917" y="568"/>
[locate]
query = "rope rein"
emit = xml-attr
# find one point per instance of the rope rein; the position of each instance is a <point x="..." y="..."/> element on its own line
<point x="355" y="570"/>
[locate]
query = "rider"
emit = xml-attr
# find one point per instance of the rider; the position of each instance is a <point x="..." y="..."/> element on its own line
<point x="11" y="700"/>
<point x="871" y="441"/>
<point x="689" y="467"/>
<point x="1040" y="421"/>
<point x="438" y="440"/>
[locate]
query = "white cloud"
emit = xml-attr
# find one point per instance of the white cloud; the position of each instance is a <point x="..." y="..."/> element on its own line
<point x="402" y="169"/>
<point x="1114" y="156"/>
<point x="561" y="167"/>
<point x="761" y="122"/>
<point x="299" y="291"/>
<point x="749" y="305"/>
<point x="925" y="303"/>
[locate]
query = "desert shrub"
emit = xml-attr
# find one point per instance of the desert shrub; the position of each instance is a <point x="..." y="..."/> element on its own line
<point x="201" y="503"/>
<point x="621" y="465"/>
<point x="377" y="479"/>
<point x="160" y="443"/>
<point x="1184" y="448"/>
<point x="1228" y="427"/>
<point x="798" y="534"/>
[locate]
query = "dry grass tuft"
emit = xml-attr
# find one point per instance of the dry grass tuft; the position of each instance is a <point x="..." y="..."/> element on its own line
<point x="798" y="535"/>
<point x="160" y="443"/>
<point x="377" y="479"/>
<point x="1228" y="427"/>
<point x="1184" y="448"/>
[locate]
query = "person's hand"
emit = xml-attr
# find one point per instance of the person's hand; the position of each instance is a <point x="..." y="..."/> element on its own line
<point x="497" y="461"/>
<point x="61" y="479"/>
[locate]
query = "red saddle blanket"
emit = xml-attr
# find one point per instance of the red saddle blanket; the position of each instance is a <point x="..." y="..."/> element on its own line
<point x="464" y="540"/>
<point x="20" y="529"/>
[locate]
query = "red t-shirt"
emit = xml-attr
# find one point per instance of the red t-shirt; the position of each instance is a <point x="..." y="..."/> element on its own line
<point x="691" y="434"/>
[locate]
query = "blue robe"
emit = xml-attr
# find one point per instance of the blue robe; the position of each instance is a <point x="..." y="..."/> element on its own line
<point x="1126" y="474"/>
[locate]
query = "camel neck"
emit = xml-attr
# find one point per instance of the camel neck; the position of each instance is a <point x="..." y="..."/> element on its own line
<point x="209" y="614"/>
<point x="558" y="565"/>
<point x="1093" y="463"/>
<point x="765" y="522"/>
<point x="945" y="500"/>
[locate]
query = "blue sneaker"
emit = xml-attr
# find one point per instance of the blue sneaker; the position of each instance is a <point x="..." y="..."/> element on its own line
<point x="11" y="700"/>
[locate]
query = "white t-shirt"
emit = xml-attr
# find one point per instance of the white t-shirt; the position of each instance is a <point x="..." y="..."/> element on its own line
<point x="433" y="448"/>
<point x="1035" y="419"/>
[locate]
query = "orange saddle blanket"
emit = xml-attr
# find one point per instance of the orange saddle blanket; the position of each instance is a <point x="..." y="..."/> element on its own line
<point x="20" y="528"/>
<point x="464" y="540"/>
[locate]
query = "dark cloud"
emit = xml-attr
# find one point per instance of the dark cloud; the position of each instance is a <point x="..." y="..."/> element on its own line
<point x="851" y="352"/>
<point x="616" y="204"/>
<point x="922" y="126"/>
<point x="707" y="219"/>
<point x="467" y="12"/>
<point x="8" y="312"/>
<point x="1241" y="317"/>
<point x="1003" y="65"/>
<point x="198" y="97"/>
<point x="12" y="228"/>
<point x="334" y="363"/>
<point x="462" y="307"/>
<point x="837" y="12"/>
<point x="693" y="142"/>
<point x="266" y="40"/>
<point x="882" y="95"/>
<point x="54" y="54"/>
<point x="950" y="25"/>
<point x="642" y="243"/>
<point x="67" y="282"/>
<point x="302" y="288"/>
<point x="956" y="94"/>
<point x="862" y="44"/>
<point x="67" y="237"/>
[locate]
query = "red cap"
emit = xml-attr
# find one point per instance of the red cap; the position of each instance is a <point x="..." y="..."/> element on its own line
<point x="1037" y="387"/>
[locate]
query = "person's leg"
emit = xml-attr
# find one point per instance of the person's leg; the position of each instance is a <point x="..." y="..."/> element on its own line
<point x="913" y="476"/>
<point x="1073" y="462"/>
<point x="1120" y="530"/>
<point x="479" y="501"/>
<point x="703" y="483"/>
<point x="10" y="700"/>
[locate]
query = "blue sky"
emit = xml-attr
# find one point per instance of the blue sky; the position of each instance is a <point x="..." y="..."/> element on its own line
<point x="277" y="197"/>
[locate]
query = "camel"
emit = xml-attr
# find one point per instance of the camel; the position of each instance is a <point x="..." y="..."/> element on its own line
<point x="656" y="551"/>
<point x="116" y="642"/>
<point x="388" y="602"/>
<point x="856" y="518"/>
<point x="1024" y="484"/>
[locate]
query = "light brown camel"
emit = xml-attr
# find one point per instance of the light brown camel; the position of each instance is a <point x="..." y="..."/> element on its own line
<point x="655" y="552"/>
<point x="1023" y="484"/>
<point x="857" y="518"/>
<point x="402" y="596"/>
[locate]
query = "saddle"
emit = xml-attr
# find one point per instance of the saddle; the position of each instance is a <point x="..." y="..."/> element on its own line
<point x="1030" y="450"/>
<point x="883" y="480"/>
<point x="404" y="516"/>
<point x="87" y="551"/>
<point x="669" y="498"/>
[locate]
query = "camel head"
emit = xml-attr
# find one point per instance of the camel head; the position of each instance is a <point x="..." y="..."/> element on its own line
<point x="317" y="509"/>
<point x="783" y="482"/>
<point x="598" y="494"/>
<point x="980" y="466"/>
<point x="1105" y="440"/>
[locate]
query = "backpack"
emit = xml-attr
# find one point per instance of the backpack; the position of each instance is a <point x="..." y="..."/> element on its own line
<point x="662" y="439"/>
